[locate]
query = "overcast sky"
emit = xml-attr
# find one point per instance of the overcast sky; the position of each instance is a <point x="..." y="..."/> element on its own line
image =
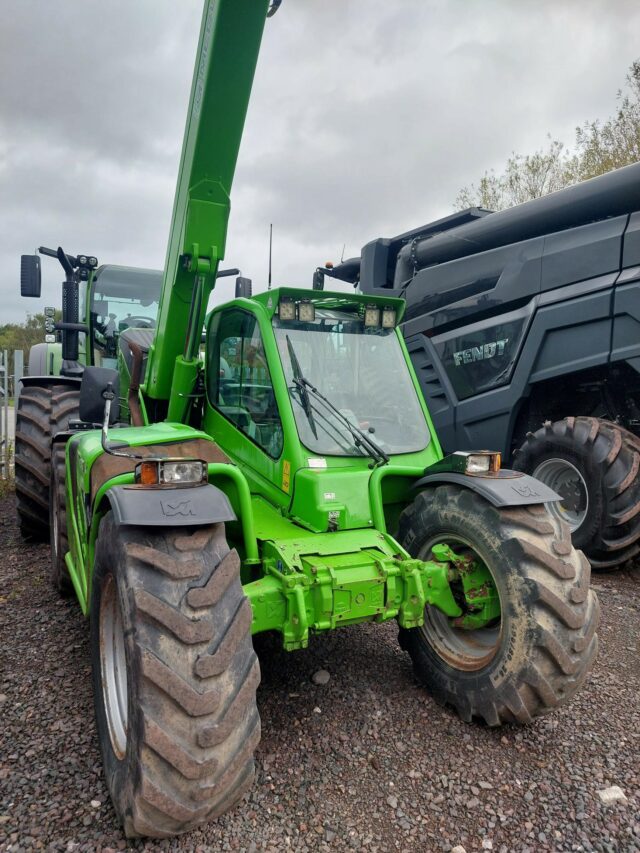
<point x="367" y="116"/>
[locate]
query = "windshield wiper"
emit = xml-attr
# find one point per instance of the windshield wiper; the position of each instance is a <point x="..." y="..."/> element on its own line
<point x="300" y="382"/>
<point x="335" y="430"/>
<point x="361" y="438"/>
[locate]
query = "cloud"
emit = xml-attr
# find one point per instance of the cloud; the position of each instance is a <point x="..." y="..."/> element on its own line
<point x="366" y="119"/>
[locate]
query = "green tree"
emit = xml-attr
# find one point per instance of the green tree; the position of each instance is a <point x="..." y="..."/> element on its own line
<point x="22" y="336"/>
<point x="599" y="147"/>
<point x="526" y="176"/>
<point x="602" y="146"/>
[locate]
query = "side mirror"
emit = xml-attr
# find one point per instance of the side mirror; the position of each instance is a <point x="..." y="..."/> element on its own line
<point x="318" y="280"/>
<point x="243" y="287"/>
<point x="30" y="277"/>
<point x="94" y="383"/>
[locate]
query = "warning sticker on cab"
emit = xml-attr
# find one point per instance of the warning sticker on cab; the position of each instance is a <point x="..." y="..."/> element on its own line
<point x="286" y="475"/>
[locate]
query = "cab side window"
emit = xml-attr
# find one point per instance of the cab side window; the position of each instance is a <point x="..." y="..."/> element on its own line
<point x="239" y="382"/>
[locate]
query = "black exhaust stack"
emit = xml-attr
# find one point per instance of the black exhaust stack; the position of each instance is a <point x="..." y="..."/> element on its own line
<point x="70" y="325"/>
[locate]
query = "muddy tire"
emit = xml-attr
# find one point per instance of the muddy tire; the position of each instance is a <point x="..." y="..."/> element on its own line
<point x="595" y="466"/>
<point x="42" y="412"/>
<point x="174" y="676"/>
<point x="32" y="461"/>
<point x="538" y="653"/>
<point x="59" y="573"/>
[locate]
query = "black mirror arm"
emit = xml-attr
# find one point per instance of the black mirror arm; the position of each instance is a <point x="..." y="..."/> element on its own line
<point x="109" y="396"/>
<point x="65" y="261"/>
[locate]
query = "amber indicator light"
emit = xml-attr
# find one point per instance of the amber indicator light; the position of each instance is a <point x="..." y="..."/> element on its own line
<point x="148" y="473"/>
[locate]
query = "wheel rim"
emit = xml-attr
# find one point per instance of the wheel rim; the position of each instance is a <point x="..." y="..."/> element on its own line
<point x="113" y="667"/>
<point x="462" y="649"/>
<point x="565" y="479"/>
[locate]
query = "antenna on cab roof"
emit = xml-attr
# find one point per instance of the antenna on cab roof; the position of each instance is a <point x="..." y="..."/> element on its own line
<point x="270" y="248"/>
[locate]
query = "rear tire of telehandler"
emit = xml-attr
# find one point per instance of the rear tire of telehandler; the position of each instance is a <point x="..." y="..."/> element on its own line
<point x="58" y="522"/>
<point x="43" y="410"/>
<point x="537" y="655"/>
<point x="174" y="676"/>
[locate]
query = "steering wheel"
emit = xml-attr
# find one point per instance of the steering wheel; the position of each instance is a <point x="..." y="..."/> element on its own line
<point x="136" y="322"/>
<point x="253" y="404"/>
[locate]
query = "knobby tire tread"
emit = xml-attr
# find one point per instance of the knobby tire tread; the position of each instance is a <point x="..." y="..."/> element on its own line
<point x="553" y="615"/>
<point x="42" y="412"/>
<point x="611" y="536"/>
<point x="190" y="754"/>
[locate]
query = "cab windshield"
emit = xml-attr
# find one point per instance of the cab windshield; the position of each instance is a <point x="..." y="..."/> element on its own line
<point x="123" y="298"/>
<point x="362" y="372"/>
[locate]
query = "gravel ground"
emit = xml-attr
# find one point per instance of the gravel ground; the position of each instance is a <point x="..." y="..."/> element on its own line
<point x="365" y="762"/>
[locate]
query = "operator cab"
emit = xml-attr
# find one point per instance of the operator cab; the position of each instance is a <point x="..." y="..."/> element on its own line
<point x="344" y="375"/>
<point x="123" y="299"/>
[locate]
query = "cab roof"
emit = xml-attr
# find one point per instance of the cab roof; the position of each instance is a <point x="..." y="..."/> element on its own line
<point x="119" y="280"/>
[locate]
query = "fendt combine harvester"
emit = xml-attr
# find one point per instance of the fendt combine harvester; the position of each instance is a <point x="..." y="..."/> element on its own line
<point x="292" y="482"/>
<point x="524" y="329"/>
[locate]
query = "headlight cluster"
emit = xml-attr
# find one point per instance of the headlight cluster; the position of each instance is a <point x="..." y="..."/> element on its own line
<point x="171" y="472"/>
<point x="482" y="462"/>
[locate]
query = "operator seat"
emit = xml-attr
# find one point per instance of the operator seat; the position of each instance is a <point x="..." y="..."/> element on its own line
<point x="143" y="338"/>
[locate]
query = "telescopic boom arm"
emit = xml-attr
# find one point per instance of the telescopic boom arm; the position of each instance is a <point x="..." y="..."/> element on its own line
<point x="228" y="49"/>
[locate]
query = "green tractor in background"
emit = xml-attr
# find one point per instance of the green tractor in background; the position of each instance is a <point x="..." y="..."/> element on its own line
<point x="101" y="306"/>
<point x="286" y="480"/>
<point x="99" y="303"/>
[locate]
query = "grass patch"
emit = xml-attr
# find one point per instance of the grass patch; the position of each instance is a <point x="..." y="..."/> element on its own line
<point x="7" y="487"/>
<point x="7" y="483"/>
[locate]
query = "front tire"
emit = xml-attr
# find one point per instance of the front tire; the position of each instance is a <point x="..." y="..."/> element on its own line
<point x="537" y="655"/>
<point x="174" y="676"/>
<point x="59" y="573"/>
<point x="594" y="465"/>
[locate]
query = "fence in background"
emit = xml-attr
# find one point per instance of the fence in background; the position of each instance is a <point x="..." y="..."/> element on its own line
<point x="9" y="390"/>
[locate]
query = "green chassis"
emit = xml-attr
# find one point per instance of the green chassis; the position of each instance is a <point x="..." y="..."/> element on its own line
<point x="297" y="577"/>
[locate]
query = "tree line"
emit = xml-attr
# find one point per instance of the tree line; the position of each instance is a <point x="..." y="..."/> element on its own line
<point x="599" y="147"/>
<point x="23" y="336"/>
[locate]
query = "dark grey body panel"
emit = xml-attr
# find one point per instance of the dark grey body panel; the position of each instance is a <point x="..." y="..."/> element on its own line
<point x="625" y="343"/>
<point x="161" y="507"/>
<point x="631" y="254"/>
<point x="561" y="338"/>
<point x="516" y="490"/>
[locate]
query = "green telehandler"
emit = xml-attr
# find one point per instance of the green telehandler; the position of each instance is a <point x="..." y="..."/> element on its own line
<point x="288" y="481"/>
